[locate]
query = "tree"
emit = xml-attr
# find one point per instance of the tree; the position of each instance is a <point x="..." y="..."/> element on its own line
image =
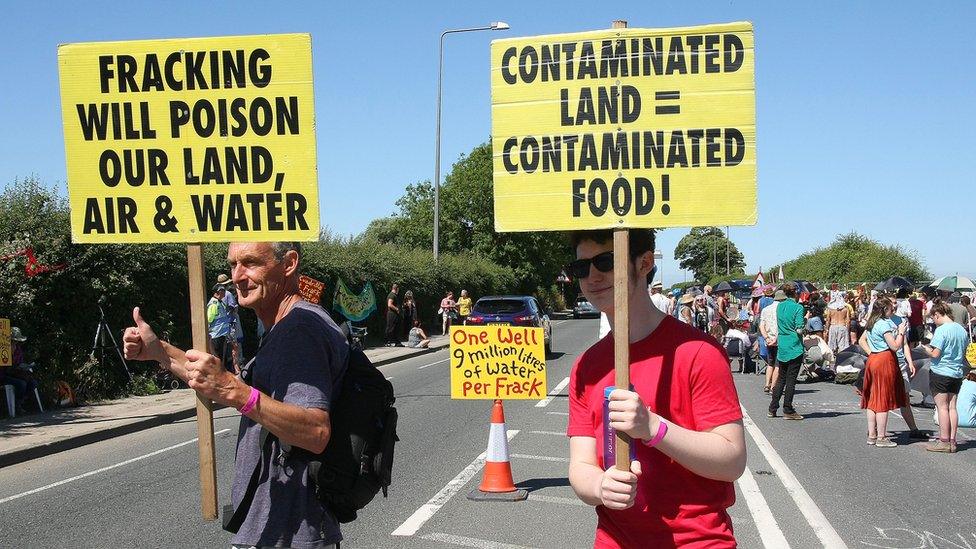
<point x="467" y="224"/>
<point x="856" y="258"/>
<point x="703" y="252"/>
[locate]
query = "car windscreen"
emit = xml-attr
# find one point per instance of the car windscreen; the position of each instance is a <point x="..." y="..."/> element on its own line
<point x="499" y="306"/>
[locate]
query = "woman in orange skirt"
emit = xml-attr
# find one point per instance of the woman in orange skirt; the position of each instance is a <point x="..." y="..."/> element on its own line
<point x="883" y="388"/>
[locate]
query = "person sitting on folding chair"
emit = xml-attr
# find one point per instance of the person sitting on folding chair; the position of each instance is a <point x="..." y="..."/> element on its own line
<point x="737" y="344"/>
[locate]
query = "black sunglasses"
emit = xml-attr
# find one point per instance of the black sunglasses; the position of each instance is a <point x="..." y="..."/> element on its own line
<point x="581" y="267"/>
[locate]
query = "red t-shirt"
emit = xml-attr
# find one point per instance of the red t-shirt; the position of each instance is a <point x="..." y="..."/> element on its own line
<point x="684" y="376"/>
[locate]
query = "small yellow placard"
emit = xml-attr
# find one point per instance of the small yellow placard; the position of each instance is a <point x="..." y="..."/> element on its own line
<point x="6" y="349"/>
<point x="497" y="362"/>
<point x="625" y="128"/>
<point x="190" y="140"/>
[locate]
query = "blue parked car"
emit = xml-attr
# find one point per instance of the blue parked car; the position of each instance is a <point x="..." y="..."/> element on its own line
<point x="511" y="310"/>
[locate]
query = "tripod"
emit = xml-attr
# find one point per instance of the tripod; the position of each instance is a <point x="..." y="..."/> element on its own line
<point x="101" y="344"/>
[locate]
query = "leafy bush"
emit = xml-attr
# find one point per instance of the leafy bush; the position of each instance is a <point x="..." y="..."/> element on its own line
<point x="853" y="258"/>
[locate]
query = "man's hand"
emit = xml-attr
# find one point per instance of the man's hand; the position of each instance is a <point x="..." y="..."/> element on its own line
<point x="629" y="415"/>
<point x="140" y="341"/>
<point x="618" y="488"/>
<point x="207" y="376"/>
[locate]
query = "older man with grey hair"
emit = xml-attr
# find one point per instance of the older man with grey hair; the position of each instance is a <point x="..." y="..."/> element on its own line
<point x="287" y="389"/>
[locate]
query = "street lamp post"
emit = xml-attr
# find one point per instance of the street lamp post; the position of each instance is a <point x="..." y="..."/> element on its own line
<point x="499" y="25"/>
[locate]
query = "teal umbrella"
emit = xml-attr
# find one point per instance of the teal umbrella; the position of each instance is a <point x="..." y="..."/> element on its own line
<point x="954" y="284"/>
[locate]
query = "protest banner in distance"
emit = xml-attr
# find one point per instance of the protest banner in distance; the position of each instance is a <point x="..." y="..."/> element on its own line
<point x="190" y="140"/>
<point x="497" y="362"/>
<point x="6" y="348"/>
<point x="624" y="128"/>
<point x="355" y="307"/>
<point x="310" y="289"/>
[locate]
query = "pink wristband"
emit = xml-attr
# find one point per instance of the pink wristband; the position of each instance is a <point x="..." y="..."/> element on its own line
<point x="662" y="429"/>
<point x="252" y="401"/>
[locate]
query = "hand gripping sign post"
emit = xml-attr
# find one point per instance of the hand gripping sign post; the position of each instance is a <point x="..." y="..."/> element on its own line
<point x="624" y="128"/>
<point x="191" y="140"/>
<point x="498" y="362"/>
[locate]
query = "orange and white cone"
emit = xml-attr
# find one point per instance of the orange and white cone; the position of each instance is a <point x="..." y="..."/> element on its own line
<point x="497" y="480"/>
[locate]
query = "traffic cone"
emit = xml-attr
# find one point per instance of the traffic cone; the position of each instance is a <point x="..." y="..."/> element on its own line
<point x="497" y="483"/>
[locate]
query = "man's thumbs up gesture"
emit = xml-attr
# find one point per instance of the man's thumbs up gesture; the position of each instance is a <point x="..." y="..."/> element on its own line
<point x="140" y="342"/>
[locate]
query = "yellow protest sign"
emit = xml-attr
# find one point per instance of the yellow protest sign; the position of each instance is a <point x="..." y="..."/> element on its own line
<point x="6" y="349"/>
<point x="497" y="362"/>
<point x="190" y="140"/>
<point x="625" y="128"/>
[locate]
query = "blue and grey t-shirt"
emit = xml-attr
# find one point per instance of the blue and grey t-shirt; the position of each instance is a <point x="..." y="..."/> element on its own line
<point x="299" y="363"/>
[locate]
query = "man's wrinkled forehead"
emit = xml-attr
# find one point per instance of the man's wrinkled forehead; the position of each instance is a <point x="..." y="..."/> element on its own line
<point x="252" y="251"/>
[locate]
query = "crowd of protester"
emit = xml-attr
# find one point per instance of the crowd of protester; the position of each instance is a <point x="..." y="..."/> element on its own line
<point x="878" y="341"/>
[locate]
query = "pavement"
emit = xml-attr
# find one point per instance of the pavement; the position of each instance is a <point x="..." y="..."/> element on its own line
<point x="28" y="437"/>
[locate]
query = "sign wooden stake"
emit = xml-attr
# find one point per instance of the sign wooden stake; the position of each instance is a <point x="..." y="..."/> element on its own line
<point x="205" y="430"/>
<point x="621" y="330"/>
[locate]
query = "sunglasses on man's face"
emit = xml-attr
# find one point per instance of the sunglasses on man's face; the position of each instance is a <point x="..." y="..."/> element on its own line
<point x="581" y="267"/>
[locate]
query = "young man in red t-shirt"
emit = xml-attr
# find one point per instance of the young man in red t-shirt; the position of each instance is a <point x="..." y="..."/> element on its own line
<point x="683" y="416"/>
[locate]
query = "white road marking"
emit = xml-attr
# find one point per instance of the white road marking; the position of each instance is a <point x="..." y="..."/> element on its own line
<point x="769" y="532"/>
<point x="470" y="542"/>
<point x="554" y="499"/>
<point x="540" y="458"/>
<point x="821" y="526"/>
<point x="433" y="363"/>
<point x="558" y="413"/>
<point x="552" y="394"/>
<point x="553" y="433"/>
<point x="427" y="510"/>
<point x="103" y="469"/>
<point x="389" y="378"/>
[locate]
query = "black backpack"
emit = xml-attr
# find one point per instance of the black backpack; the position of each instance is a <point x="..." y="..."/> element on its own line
<point x="358" y="461"/>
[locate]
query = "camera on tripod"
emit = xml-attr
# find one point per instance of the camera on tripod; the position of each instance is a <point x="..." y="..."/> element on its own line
<point x="102" y="334"/>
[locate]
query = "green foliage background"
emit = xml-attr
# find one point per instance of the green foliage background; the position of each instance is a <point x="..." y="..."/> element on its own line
<point x="853" y="258"/>
<point x="703" y="252"/>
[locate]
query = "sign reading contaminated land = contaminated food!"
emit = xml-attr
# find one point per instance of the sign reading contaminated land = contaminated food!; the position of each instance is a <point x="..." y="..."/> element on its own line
<point x="190" y="140"/>
<point x="624" y="128"/>
<point x="497" y="362"/>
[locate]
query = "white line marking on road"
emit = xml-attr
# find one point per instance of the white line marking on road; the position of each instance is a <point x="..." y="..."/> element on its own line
<point x="553" y="433"/>
<point x="103" y="469"/>
<point x="769" y="532"/>
<point x="470" y="542"/>
<point x="554" y="499"/>
<point x="553" y="393"/>
<point x="558" y="413"/>
<point x="433" y="363"/>
<point x="427" y="510"/>
<point x="821" y="526"/>
<point x="389" y="378"/>
<point x="540" y="458"/>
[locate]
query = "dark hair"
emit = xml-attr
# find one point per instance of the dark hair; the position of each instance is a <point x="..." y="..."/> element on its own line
<point x="902" y="293"/>
<point x="641" y="240"/>
<point x="416" y="323"/>
<point x="789" y="289"/>
<point x="881" y="307"/>
<point x="940" y="307"/>
<point x="964" y="300"/>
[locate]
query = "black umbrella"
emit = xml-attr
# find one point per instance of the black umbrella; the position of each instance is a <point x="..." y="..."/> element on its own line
<point x="893" y="284"/>
<point x="723" y="287"/>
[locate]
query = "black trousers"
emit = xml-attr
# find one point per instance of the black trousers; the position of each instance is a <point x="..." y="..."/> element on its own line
<point x="392" y="320"/>
<point x="788" y="372"/>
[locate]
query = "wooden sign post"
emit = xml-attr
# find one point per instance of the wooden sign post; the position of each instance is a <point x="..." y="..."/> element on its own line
<point x="205" y="431"/>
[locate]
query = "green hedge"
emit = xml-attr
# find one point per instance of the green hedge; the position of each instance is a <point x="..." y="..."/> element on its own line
<point x="58" y="310"/>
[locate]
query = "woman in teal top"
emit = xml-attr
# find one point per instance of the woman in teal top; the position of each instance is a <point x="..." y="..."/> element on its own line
<point x="883" y="389"/>
<point x="948" y="350"/>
